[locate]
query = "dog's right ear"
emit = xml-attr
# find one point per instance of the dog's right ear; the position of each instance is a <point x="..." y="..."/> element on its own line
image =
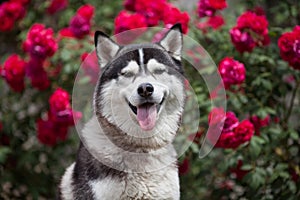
<point x="106" y="48"/>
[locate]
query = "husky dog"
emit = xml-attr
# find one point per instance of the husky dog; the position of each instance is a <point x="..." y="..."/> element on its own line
<point x="126" y="150"/>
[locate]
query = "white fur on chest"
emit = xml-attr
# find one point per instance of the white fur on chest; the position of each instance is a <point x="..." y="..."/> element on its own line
<point x="158" y="185"/>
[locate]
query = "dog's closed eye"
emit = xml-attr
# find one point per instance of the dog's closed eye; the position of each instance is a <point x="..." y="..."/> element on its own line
<point x="127" y="74"/>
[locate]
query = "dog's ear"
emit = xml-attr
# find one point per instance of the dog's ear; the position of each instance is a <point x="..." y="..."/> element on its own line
<point x="106" y="48"/>
<point x="172" y="41"/>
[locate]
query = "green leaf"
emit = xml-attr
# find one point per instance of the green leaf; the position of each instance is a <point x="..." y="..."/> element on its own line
<point x="194" y="148"/>
<point x="262" y="113"/>
<point x="258" y="139"/>
<point x="284" y="175"/>
<point x="294" y="135"/>
<point x="267" y="84"/>
<point x="255" y="147"/>
<point x="4" y="151"/>
<point x="281" y="166"/>
<point x="292" y="186"/>
<point x="247" y="167"/>
<point x="255" y="178"/>
<point x="275" y="131"/>
<point x="66" y="55"/>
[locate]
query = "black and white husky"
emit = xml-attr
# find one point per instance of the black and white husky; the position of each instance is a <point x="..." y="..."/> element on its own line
<point x="126" y="150"/>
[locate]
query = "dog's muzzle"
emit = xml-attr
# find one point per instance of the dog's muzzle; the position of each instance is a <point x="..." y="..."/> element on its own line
<point x="147" y="109"/>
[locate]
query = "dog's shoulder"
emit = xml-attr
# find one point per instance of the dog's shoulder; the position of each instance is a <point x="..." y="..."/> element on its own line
<point x="80" y="178"/>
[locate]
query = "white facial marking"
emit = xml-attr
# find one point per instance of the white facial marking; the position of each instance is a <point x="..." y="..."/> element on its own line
<point x="141" y="56"/>
<point x="154" y="66"/>
<point x="131" y="69"/>
<point x="141" y="59"/>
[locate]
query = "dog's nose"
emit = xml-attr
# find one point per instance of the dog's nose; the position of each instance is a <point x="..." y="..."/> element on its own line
<point x="145" y="90"/>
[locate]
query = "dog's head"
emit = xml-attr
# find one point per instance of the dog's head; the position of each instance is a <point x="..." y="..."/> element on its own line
<point x="141" y="90"/>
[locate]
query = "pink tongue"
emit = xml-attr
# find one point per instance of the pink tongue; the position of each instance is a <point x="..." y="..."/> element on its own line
<point x="146" y="116"/>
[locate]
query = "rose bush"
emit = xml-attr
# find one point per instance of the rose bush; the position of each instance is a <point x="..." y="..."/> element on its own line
<point x="255" y="44"/>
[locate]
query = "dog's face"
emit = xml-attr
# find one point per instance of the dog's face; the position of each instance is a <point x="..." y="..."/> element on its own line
<point x="141" y="90"/>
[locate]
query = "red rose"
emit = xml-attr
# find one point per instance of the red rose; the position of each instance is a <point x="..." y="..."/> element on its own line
<point x="244" y="131"/>
<point x="257" y="23"/>
<point x="173" y="16"/>
<point x="215" y="22"/>
<point x="184" y="167"/>
<point x="10" y="12"/>
<point x="57" y="5"/>
<point x="40" y="42"/>
<point x="59" y="100"/>
<point x="286" y="45"/>
<point x="65" y="33"/>
<point x="6" y="22"/>
<point x="60" y="109"/>
<point x="129" y="5"/>
<point x="126" y="21"/>
<point x="232" y="72"/>
<point x="37" y="74"/>
<point x="152" y="10"/>
<point x="296" y="29"/>
<point x="1" y="127"/>
<point x="86" y="11"/>
<point x="23" y="2"/>
<point x="242" y="40"/>
<point x="218" y="4"/>
<point x="258" y="123"/>
<point x="14" y="72"/>
<point x="60" y="117"/>
<point x="233" y="133"/>
<point x="34" y="66"/>
<point x="205" y="9"/>
<point x="226" y="140"/>
<point x="49" y="132"/>
<point x="15" y="10"/>
<point x="289" y="45"/>
<point x="66" y="117"/>
<point x="46" y="133"/>
<point x="251" y="31"/>
<point x="79" y="26"/>
<point x="231" y="122"/>
<point x="40" y="81"/>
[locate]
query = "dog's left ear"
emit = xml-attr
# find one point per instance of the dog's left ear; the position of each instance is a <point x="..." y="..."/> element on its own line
<point x="172" y="41"/>
<point x="106" y="48"/>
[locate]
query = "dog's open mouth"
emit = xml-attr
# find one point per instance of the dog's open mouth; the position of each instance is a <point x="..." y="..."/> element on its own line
<point x="146" y="114"/>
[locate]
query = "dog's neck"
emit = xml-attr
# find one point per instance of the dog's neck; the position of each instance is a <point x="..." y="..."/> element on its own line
<point x="126" y="141"/>
<point x="122" y="155"/>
